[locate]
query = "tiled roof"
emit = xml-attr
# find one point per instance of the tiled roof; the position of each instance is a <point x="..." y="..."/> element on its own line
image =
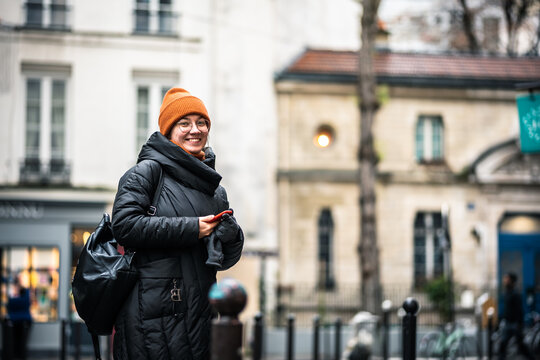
<point x="456" y="69"/>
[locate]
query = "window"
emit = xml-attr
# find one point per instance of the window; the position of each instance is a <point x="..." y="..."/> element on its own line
<point x="52" y="14"/>
<point x="36" y="269"/>
<point x="165" y="17"/>
<point x="429" y="139"/>
<point x="149" y="98"/>
<point x="325" y="256"/>
<point x="154" y="17"/>
<point x="428" y="247"/>
<point x="34" y="13"/>
<point x="33" y="117"/>
<point x="143" y="115"/>
<point x="45" y="128"/>
<point x="142" y="16"/>
<point x="491" y="37"/>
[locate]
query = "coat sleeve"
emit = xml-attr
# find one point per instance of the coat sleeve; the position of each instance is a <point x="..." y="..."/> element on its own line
<point x="230" y="235"/>
<point x="232" y="247"/>
<point x="134" y="228"/>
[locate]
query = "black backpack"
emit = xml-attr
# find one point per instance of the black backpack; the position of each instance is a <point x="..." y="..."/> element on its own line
<point x="104" y="278"/>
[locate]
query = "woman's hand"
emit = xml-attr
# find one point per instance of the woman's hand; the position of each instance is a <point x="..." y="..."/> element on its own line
<point x="206" y="227"/>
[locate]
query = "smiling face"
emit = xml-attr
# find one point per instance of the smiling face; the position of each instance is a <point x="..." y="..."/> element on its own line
<point x="191" y="133"/>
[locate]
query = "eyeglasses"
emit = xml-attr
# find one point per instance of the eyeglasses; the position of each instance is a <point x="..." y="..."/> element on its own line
<point x="186" y="125"/>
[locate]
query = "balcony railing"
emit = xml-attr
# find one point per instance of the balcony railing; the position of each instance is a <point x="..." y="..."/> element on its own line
<point x="34" y="171"/>
<point x="160" y="22"/>
<point x="52" y="16"/>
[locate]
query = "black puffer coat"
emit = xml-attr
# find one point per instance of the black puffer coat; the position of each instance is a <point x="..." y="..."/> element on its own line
<point x="153" y="323"/>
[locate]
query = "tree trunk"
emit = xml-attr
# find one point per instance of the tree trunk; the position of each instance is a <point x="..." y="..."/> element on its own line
<point x="368" y="249"/>
<point x="468" y="27"/>
<point x="515" y="13"/>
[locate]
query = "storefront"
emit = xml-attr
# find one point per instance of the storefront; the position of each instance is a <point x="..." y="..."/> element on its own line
<point x="40" y="239"/>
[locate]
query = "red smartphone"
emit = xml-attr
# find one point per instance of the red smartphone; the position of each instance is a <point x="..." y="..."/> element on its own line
<point x="218" y="216"/>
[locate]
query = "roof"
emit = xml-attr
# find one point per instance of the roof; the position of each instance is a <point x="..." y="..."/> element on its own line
<point x="455" y="70"/>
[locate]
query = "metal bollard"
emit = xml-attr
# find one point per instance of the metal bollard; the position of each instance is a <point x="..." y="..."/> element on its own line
<point x="258" y="337"/>
<point x="316" y="330"/>
<point x="490" y="312"/>
<point x="411" y="307"/>
<point x="386" y="306"/>
<point x="77" y="336"/>
<point x="337" y="354"/>
<point x="229" y="298"/>
<point x="63" y="339"/>
<point x="290" y="337"/>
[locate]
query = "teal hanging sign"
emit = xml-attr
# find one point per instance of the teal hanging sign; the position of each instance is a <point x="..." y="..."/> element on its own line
<point x="529" y="122"/>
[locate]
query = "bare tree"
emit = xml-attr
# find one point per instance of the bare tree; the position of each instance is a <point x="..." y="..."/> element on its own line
<point x="368" y="103"/>
<point x="467" y="19"/>
<point x="534" y="50"/>
<point x="515" y="13"/>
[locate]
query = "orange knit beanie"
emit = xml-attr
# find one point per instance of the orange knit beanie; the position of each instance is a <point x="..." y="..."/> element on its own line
<point x="178" y="103"/>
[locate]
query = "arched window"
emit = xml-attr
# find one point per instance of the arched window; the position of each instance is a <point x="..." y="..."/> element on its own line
<point x="325" y="255"/>
<point x="429" y="139"/>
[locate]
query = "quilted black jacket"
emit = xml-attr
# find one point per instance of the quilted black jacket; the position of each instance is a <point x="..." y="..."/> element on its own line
<point x="167" y="315"/>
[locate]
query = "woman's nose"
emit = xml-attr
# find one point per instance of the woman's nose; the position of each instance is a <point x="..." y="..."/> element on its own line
<point x="194" y="129"/>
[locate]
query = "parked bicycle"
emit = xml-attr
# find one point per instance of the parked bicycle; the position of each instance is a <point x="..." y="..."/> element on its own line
<point x="531" y="337"/>
<point x="531" y="340"/>
<point x="452" y="342"/>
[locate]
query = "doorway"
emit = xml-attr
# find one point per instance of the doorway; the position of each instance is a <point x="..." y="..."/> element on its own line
<point x="519" y="252"/>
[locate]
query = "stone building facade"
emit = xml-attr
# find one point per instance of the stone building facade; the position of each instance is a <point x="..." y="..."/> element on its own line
<point x="446" y="137"/>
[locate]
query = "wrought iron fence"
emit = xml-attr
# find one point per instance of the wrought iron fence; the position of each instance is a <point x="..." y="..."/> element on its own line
<point x="306" y="300"/>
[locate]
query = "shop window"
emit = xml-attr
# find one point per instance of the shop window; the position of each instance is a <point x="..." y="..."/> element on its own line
<point x="35" y="268"/>
<point x="429" y="139"/>
<point x="325" y="257"/>
<point x="428" y="250"/>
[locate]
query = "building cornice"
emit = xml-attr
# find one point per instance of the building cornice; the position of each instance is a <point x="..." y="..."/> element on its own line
<point x="89" y="196"/>
<point x="403" y="81"/>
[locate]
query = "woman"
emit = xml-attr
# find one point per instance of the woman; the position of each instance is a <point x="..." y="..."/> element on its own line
<point x="177" y="249"/>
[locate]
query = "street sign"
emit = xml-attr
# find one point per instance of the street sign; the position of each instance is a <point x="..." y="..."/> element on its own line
<point x="529" y="122"/>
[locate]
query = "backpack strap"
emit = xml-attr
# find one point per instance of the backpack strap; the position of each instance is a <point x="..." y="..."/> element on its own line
<point x="95" y="341"/>
<point x="153" y="208"/>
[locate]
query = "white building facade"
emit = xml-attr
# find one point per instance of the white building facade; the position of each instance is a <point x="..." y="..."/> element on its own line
<point x="81" y="83"/>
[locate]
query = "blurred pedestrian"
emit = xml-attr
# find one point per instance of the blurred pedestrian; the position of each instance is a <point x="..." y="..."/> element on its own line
<point x="512" y="318"/>
<point x="178" y="248"/>
<point x="18" y="309"/>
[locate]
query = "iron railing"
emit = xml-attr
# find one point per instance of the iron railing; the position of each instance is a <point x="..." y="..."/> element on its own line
<point x="306" y="300"/>
<point x="34" y="171"/>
